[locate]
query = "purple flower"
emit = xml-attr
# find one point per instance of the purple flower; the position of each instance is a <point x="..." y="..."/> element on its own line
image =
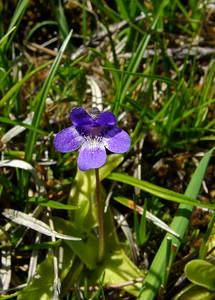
<point x="92" y="134"/>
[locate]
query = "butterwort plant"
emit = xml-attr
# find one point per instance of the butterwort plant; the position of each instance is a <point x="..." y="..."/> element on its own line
<point x="92" y="134"/>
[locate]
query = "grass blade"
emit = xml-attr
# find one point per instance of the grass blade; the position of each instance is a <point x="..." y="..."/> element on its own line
<point x="21" y="218"/>
<point x="5" y="37"/>
<point x="156" y="274"/>
<point x="159" y="191"/>
<point x="136" y="59"/>
<point x="136" y="208"/>
<point x="15" y="88"/>
<point x="41" y="100"/>
<point x="16" y="19"/>
<point x="61" y="20"/>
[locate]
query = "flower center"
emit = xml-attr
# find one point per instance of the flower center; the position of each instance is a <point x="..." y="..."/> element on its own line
<point x="93" y="140"/>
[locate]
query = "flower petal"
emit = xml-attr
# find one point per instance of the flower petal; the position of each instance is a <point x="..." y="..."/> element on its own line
<point x="68" y="140"/>
<point x="106" y="118"/>
<point x="79" y="117"/>
<point x="92" y="155"/>
<point x="117" y="140"/>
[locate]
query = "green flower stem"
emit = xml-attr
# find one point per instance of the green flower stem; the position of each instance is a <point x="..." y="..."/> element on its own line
<point x="100" y="212"/>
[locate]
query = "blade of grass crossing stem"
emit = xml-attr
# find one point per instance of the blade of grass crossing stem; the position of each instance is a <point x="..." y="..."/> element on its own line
<point x="159" y="191"/>
<point x="156" y="275"/>
<point x="136" y="58"/>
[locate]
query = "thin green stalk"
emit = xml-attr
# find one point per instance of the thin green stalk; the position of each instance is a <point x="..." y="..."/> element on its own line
<point x="100" y="212"/>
